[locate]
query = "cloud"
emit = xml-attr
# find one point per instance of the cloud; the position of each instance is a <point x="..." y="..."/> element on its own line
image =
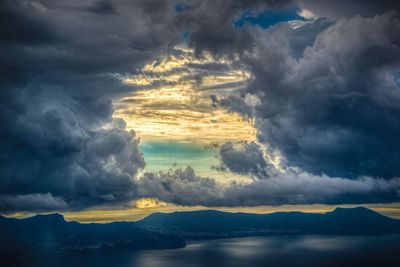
<point x="174" y="102"/>
<point x="184" y="187"/>
<point x="31" y="202"/>
<point x="68" y="147"/>
<point x="148" y="203"/>
<point x="334" y="109"/>
<point x="339" y="9"/>
<point x="246" y="158"/>
<point x="61" y="66"/>
<point x="304" y="188"/>
<point x="323" y="94"/>
<point x="180" y="186"/>
<point x="102" y="7"/>
<point x="210" y="24"/>
<point x="59" y="144"/>
<point x="68" y="46"/>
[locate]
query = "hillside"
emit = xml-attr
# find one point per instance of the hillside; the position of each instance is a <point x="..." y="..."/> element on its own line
<point x="216" y="224"/>
<point x="52" y="231"/>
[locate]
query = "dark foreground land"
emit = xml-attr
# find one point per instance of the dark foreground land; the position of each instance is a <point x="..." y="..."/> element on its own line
<point x="343" y="236"/>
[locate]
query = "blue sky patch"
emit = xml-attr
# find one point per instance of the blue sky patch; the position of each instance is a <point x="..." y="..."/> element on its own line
<point x="161" y="156"/>
<point x="267" y="18"/>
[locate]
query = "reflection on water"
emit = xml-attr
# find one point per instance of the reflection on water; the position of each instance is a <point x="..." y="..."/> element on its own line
<point x="251" y="251"/>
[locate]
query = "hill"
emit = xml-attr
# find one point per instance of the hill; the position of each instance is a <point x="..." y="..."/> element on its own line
<point x="216" y="224"/>
<point x="52" y="231"/>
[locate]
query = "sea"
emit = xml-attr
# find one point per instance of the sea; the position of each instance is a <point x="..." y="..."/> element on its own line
<point x="274" y="251"/>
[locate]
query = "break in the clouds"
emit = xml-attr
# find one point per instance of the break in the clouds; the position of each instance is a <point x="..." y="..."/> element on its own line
<point x="174" y="101"/>
<point x="320" y="87"/>
<point x="61" y="64"/>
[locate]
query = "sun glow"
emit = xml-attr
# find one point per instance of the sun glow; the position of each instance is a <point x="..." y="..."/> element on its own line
<point x="149" y="203"/>
<point x="173" y="102"/>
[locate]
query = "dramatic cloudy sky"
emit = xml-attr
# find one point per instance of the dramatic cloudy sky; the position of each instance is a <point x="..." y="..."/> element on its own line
<point x="162" y="105"/>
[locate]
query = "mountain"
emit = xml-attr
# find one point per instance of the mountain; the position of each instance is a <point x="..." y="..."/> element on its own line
<point x="169" y="230"/>
<point x="216" y="224"/>
<point x="52" y="231"/>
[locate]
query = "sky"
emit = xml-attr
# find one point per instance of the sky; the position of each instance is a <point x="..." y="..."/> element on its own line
<point x="112" y="110"/>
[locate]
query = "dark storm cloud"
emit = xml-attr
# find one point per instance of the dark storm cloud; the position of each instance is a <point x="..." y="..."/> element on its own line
<point x="305" y="188"/>
<point x="184" y="187"/>
<point x="102" y="7"/>
<point x="31" y="202"/>
<point x="60" y="43"/>
<point x="322" y="94"/>
<point x="68" y="147"/>
<point x="305" y="36"/>
<point x="26" y="27"/>
<point x="335" y="109"/>
<point x="62" y="63"/>
<point x="181" y="187"/>
<point x="60" y="148"/>
<point x="210" y="24"/>
<point x="245" y="158"/>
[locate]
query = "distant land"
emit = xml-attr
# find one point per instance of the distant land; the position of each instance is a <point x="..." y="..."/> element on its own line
<point x="52" y="231"/>
<point x="170" y="230"/>
<point x="211" y="224"/>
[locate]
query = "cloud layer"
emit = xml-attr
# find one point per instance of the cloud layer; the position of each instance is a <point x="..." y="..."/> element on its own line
<point x="60" y="146"/>
<point x="184" y="187"/>
<point x="334" y="110"/>
<point x="69" y="148"/>
<point x="324" y="95"/>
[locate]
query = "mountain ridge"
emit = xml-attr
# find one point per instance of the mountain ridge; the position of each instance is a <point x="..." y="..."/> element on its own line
<point x="52" y="231"/>
<point x="170" y="230"/>
<point x="208" y="224"/>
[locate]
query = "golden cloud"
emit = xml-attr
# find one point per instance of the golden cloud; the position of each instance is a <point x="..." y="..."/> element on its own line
<point x="175" y="103"/>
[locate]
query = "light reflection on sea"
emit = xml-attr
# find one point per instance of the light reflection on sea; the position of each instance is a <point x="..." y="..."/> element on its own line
<point x="300" y="250"/>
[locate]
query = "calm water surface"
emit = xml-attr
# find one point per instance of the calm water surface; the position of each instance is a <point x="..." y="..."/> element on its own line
<point x="274" y="251"/>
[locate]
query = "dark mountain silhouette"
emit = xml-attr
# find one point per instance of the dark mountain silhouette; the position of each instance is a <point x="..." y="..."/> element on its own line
<point x="52" y="231"/>
<point x="216" y="224"/>
<point x="169" y="230"/>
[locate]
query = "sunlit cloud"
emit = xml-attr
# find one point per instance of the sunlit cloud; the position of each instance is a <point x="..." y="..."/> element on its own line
<point x="172" y="101"/>
<point x="148" y="203"/>
<point x="307" y="14"/>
